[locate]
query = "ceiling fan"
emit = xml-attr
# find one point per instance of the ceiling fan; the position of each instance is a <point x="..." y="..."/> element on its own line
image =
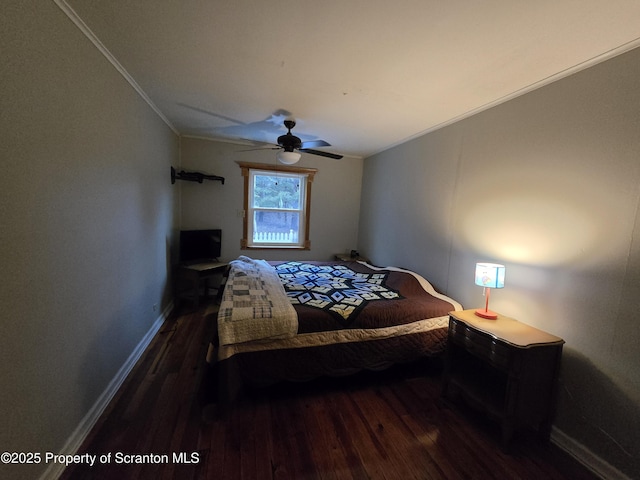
<point x="290" y="146"/>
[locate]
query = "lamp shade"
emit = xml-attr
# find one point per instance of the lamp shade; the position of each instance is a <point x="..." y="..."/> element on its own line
<point x="288" y="158"/>
<point x="490" y="275"/>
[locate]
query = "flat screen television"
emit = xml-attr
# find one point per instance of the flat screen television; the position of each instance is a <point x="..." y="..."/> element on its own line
<point x="200" y="245"/>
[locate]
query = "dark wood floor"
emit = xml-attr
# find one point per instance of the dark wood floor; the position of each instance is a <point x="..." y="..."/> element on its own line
<point x="382" y="425"/>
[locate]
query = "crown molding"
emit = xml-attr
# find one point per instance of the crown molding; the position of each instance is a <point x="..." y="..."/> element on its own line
<point x="614" y="52"/>
<point x="84" y="28"/>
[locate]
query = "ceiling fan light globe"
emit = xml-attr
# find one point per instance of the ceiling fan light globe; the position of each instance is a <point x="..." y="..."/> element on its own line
<point x="288" y="158"/>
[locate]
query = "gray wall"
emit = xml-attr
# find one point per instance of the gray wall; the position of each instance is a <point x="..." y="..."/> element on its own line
<point x="86" y="212"/>
<point x="335" y="199"/>
<point x="549" y="185"/>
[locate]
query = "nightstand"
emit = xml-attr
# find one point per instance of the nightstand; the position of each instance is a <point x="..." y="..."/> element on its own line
<point x="505" y="368"/>
<point x="345" y="257"/>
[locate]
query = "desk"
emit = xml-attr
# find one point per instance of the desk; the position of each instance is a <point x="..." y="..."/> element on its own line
<point x="191" y="276"/>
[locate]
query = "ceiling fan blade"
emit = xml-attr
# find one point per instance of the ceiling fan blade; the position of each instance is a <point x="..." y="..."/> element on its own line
<point x="213" y="114"/>
<point x="315" y="143"/>
<point x="260" y="148"/>
<point x="257" y="144"/>
<point x="321" y="153"/>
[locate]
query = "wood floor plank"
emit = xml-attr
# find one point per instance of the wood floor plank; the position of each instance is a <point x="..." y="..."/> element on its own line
<point x="291" y="443"/>
<point x="381" y="425"/>
<point x="263" y="441"/>
<point x="406" y="455"/>
<point x="330" y="459"/>
<point x="356" y="437"/>
<point x="426" y="432"/>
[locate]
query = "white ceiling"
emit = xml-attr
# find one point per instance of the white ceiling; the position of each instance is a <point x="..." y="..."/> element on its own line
<point x="363" y="75"/>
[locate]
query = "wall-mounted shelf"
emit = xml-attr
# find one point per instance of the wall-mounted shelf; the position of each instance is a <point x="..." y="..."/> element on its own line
<point x="193" y="176"/>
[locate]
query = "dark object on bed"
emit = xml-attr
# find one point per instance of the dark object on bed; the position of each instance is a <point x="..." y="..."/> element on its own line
<point x="350" y="316"/>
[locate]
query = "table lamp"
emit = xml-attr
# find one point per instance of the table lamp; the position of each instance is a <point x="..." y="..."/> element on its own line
<point x="489" y="275"/>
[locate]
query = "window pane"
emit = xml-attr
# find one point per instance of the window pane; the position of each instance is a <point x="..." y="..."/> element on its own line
<point x="271" y="191"/>
<point x="277" y="199"/>
<point x="276" y="227"/>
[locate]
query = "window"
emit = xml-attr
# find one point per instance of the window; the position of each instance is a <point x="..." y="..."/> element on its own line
<point x="277" y="203"/>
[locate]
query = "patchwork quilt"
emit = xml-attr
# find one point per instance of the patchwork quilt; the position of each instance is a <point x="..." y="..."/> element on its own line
<point x="254" y="305"/>
<point x="335" y="289"/>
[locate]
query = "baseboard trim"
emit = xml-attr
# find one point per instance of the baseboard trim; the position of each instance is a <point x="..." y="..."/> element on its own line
<point x="586" y="457"/>
<point x="78" y="436"/>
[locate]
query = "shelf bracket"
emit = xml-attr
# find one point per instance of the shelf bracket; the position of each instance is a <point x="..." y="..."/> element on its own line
<point x="193" y="176"/>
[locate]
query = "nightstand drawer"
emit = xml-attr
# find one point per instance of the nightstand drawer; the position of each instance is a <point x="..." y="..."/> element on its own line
<point x="480" y="344"/>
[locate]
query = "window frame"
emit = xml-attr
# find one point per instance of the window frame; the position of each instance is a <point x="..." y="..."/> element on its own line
<point x="247" y="169"/>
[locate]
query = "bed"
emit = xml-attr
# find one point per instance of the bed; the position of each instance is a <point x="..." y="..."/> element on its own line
<point x="299" y="320"/>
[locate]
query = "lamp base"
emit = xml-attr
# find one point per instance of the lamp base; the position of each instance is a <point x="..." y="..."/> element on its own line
<point x="486" y="314"/>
